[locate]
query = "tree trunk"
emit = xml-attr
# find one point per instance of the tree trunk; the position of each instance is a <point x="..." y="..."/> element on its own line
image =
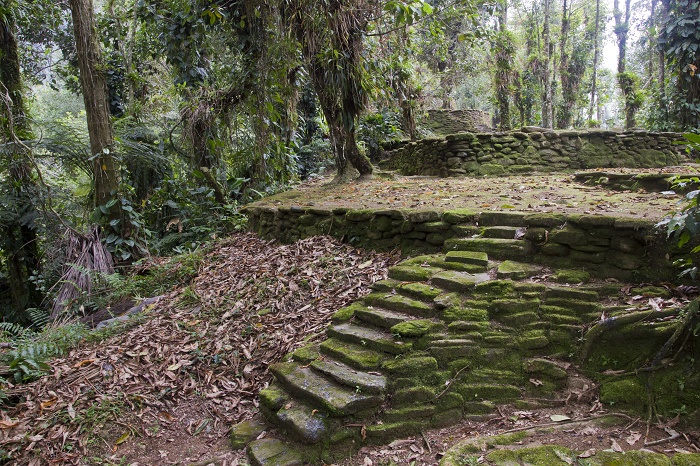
<point x="567" y="91"/>
<point x="93" y="85"/>
<point x="20" y="242"/>
<point x="596" y="52"/>
<point x="621" y="30"/>
<point x="547" y="83"/>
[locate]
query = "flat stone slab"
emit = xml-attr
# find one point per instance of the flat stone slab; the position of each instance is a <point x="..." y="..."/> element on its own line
<point x="372" y="339"/>
<point x="458" y="281"/>
<point x="307" y="384"/>
<point x="468" y="257"/>
<point x="273" y="452"/>
<point x="517" y="270"/>
<point x="356" y="356"/>
<point x="400" y="303"/>
<point x="496" y="248"/>
<point x="381" y="317"/>
<point x="303" y="422"/>
<point x="503" y="232"/>
<point x="346" y="375"/>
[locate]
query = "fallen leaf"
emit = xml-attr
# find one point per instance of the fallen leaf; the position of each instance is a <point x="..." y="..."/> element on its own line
<point x="559" y="418"/>
<point x="616" y="446"/>
<point x="633" y="438"/>
<point x="125" y="436"/>
<point x="83" y="362"/>
<point x="588" y="453"/>
<point x="8" y="424"/>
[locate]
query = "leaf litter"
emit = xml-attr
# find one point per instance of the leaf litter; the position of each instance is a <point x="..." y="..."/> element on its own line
<point x="196" y="363"/>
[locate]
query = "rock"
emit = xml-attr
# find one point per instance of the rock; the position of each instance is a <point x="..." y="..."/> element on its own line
<point x="245" y="432"/>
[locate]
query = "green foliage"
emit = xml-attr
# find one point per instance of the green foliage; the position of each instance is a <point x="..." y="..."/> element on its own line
<point x="376" y="128"/>
<point x="685" y="225"/>
<point x="28" y="358"/>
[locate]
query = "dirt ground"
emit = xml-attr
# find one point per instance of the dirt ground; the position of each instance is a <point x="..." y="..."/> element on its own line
<point x="524" y="193"/>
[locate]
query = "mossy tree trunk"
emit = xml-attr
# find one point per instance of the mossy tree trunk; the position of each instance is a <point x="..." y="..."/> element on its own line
<point x="331" y="42"/>
<point x="94" y="88"/>
<point x="20" y="241"/>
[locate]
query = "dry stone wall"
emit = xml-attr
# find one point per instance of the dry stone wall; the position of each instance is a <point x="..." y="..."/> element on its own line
<point x="623" y="248"/>
<point x="454" y="121"/>
<point x="535" y="150"/>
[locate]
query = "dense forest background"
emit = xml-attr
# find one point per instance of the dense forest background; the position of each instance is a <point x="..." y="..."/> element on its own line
<point x="132" y="128"/>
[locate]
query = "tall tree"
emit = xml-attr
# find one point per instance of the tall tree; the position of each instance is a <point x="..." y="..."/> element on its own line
<point x="628" y="82"/>
<point x="331" y="36"/>
<point x="19" y="236"/>
<point x="596" y="54"/>
<point x="547" y="97"/>
<point x="94" y="89"/>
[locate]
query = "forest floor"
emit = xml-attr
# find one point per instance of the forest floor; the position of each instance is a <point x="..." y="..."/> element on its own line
<point x="554" y="192"/>
<point x="165" y="389"/>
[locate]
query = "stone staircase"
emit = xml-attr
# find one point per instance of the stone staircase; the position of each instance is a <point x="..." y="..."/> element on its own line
<point x="445" y="337"/>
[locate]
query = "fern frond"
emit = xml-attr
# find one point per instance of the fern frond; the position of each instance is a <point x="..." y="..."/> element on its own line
<point x="14" y="330"/>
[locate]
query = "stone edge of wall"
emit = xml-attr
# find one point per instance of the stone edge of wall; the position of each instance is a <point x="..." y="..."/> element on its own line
<point x="608" y="247"/>
<point x="533" y="149"/>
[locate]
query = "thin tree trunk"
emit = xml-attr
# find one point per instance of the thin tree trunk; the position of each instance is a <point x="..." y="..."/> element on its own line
<point x="21" y="241"/>
<point x="547" y="97"/>
<point x="594" y="78"/>
<point x="564" y="120"/>
<point x="93" y="85"/>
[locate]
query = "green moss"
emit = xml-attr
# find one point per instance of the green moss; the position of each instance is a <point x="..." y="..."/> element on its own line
<point x="345" y="313"/>
<point x="420" y="291"/>
<point x="420" y="411"/>
<point x="244" y="432"/>
<point x="407" y="396"/>
<point x="517" y="270"/>
<point x="533" y="339"/>
<point x="273" y="397"/>
<point x="500" y="288"/>
<point x="628" y="392"/>
<point x="630" y="458"/>
<point x="414" y="328"/>
<point x="306" y="354"/>
<point x="353" y="355"/>
<point x="408" y="273"/>
<point x="545" y="455"/>
<point x="410" y="366"/>
<point x="490" y="392"/>
<point x="452" y="314"/>
<point x="572" y="276"/>
<point x="686" y="459"/>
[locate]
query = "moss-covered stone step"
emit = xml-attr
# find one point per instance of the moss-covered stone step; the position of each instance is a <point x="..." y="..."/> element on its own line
<point x="461" y="282"/>
<point x="362" y="382"/>
<point x="556" y="292"/>
<point x="412" y="273"/>
<point x="309" y="385"/>
<point x="303" y="422"/>
<point x="466" y="231"/>
<point x="468" y="257"/>
<point x="381" y="317"/>
<point x="396" y="302"/>
<point x="496" y="248"/>
<point x="503" y="232"/>
<point x="448" y="350"/>
<point x="357" y="356"/>
<point x="419" y="291"/>
<point x="517" y="270"/>
<point x="575" y="306"/>
<point x="369" y="338"/>
<point x="273" y="452"/>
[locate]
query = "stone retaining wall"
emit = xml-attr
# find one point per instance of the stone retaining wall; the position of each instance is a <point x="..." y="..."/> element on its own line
<point x="456" y="121"/>
<point x="535" y="150"/>
<point x="622" y="248"/>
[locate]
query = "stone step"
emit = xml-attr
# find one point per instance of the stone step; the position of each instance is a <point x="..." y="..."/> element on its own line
<point x="357" y="356"/>
<point x="517" y="270"/>
<point x="396" y="302"/>
<point x="381" y="317"/>
<point x="503" y="232"/>
<point x="556" y="292"/>
<point x="369" y="338"/>
<point x="419" y="291"/>
<point x="496" y="248"/>
<point x="303" y="422"/>
<point x="309" y="385"/>
<point x="411" y="273"/>
<point x="466" y="231"/>
<point x="273" y="452"/>
<point x="363" y="382"/>
<point x="461" y="282"/>
<point x="468" y="257"/>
